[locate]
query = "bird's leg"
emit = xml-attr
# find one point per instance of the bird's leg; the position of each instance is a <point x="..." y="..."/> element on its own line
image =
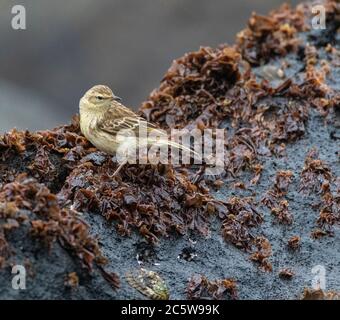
<point x="121" y="165"/>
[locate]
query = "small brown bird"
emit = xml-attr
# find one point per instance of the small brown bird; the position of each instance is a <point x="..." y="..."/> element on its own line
<point x="103" y="117"/>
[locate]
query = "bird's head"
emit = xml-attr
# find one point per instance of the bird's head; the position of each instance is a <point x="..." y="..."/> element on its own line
<point x="98" y="98"/>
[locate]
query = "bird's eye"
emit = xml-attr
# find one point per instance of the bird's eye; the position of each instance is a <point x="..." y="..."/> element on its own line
<point x="99" y="98"/>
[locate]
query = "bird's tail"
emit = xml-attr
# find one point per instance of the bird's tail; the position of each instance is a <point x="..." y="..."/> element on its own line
<point x="176" y="145"/>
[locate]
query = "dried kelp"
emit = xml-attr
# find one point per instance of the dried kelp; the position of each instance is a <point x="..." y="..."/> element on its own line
<point x="72" y="280"/>
<point x="264" y="251"/>
<point x="316" y="177"/>
<point x="273" y="35"/>
<point x="193" y="89"/>
<point x="314" y="173"/>
<point x="48" y="221"/>
<point x="239" y="216"/>
<point x="26" y="201"/>
<point x="319" y="294"/>
<point x="294" y="243"/>
<point x="153" y="199"/>
<point x="111" y="277"/>
<point x="286" y="273"/>
<point x="206" y="88"/>
<point x="273" y="198"/>
<point x="199" y="287"/>
<point x="282" y="213"/>
<point x="330" y="207"/>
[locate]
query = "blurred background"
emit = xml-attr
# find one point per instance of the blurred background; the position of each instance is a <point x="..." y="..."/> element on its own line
<point x="70" y="45"/>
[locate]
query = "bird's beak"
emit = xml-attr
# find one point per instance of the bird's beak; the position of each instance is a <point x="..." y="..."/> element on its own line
<point x="115" y="98"/>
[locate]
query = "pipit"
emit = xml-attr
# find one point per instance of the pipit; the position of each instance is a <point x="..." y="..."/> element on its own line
<point x="103" y="119"/>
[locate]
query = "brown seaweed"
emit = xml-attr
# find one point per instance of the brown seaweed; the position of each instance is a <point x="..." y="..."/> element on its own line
<point x="199" y="287"/>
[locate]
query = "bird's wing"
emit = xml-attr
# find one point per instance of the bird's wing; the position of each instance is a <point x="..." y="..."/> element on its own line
<point x="115" y="120"/>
